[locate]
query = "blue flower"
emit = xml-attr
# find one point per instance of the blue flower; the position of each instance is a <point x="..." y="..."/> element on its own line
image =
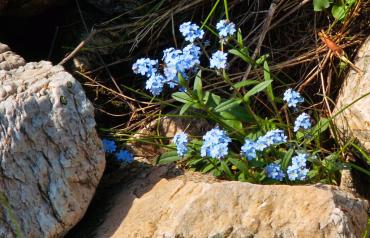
<point x="109" y="146"/>
<point x="298" y="170"/>
<point x="215" y="144"/>
<point x="272" y="137"/>
<point x="292" y="98"/>
<point x="302" y="121"/>
<point x="155" y="84"/>
<point x="274" y="172"/>
<point x="181" y="141"/>
<point x="249" y="149"/>
<point x="125" y="156"/>
<point x="144" y="66"/>
<point x="191" y="31"/>
<point x="179" y="61"/>
<point x="218" y="60"/>
<point x="171" y="55"/>
<point x="191" y="54"/>
<point x="225" y="28"/>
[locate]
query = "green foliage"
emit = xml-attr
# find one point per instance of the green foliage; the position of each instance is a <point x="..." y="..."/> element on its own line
<point x="248" y="110"/>
<point x="339" y="8"/>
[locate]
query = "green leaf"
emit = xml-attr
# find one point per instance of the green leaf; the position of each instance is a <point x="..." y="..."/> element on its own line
<point x="319" y="5"/>
<point x="312" y="173"/>
<point x="182" y="97"/>
<point x="320" y="127"/>
<point x="182" y="81"/>
<point x="286" y="160"/>
<point x="168" y="157"/>
<point x="198" y="85"/>
<point x="206" y="97"/>
<point x="339" y="12"/>
<point x="256" y="89"/>
<point x="261" y="59"/>
<point x="185" y="107"/>
<point x="239" y="38"/>
<point x="245" y="83"/>
<point x="237" y="113"/>
<point x="228" y="105"/>
<point x="207" y="168"/>
<point x="241" y="55"/>
<point x="267" y="77"/>
<point x="213" y="101"/>
<point x="237" y="125"/>
<point x="226" y="169"/>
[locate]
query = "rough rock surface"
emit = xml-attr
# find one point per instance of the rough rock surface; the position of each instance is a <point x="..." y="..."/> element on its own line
<point x="194" y="205"/>
<point x="355" y="121"/>
<point x="51" y="159"/>
<point x="27" y="8"/>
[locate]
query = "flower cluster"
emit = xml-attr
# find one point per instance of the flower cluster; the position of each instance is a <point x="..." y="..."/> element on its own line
<point x="292" y="98"/>
<point x="298" y="170"/>
<point x="215" y="144"/>
<point x="179" y="61"/>
<point x="109" y="146"/>
<point x="218" y="60"/>
<point x="271" y="138"/>
<point x="249" y="149"/>
<point x="176" y="62"/>
<point x="182" y="61"/>
<point x="124" y="156"/>
<point x="191" y="31"/>
<point x="145" y="67"/>
<point x="181" y="141"/>
<point x="225" y="28"/>
<point x="303" y="121"/>
<point x="274" y="171"/>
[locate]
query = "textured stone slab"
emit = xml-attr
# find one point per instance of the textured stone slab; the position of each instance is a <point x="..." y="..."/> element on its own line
<point x="51" y="159"/>
<point x="194" y="205"/>
<point x="355" y="121"/>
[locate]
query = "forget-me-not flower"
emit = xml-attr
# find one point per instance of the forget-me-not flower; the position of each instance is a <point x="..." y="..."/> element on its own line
<point x="109" y="146"/>
<point x="179" y="61"/>
<point x="225" y="28"/>
<point x="303" y="121"/>
<point x="181" y="141"/>
<point x="272" y="137"/>
<point x="215" y="144"/>
<point x="274" y="171"/>
<point x="218" y="60"/>
<point x="155" y="84"/>
<point x="145" y="67"/>
<point x="298" y="170"/>
<point x="249" y="149"/>
<point x="191" y="31"/>
<point x="125" y="156"/>
<point x="292" y="98"/>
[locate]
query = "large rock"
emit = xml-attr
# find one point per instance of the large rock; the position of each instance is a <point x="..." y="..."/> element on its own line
<point x="355" y="121"/>
<point x="194" y="205"/>
<point x="51" y="159"/>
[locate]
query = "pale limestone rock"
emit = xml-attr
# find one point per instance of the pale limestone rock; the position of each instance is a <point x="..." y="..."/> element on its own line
<point x="193" y="205"/>
<point x="355" y="121"/>
<point x="51" y="159"/>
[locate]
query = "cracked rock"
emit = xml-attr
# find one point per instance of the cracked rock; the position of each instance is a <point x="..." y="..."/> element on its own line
<point x="51" y="159"/>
